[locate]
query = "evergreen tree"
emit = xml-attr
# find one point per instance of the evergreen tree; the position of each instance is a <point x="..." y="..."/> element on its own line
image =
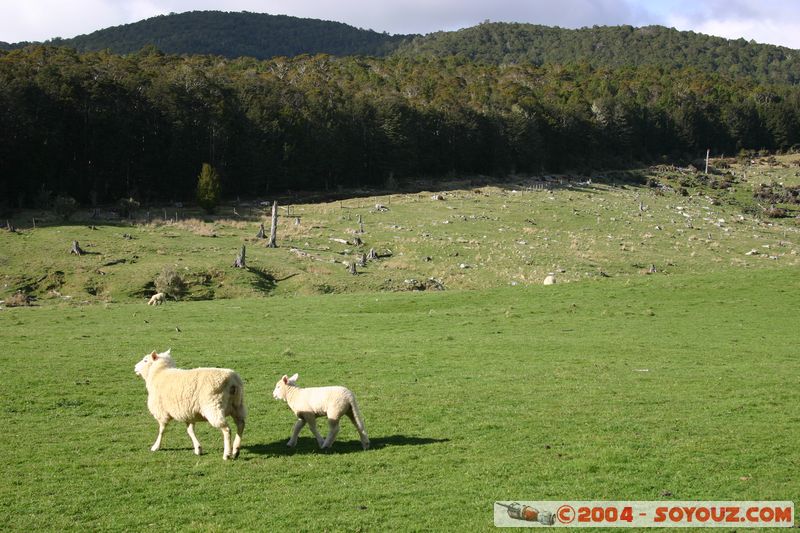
<point x="208" y="188"/>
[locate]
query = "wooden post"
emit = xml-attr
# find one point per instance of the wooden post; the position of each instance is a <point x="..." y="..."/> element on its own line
<point x="240" y="259"/>
<point x="708" y="152"/>
<point x="273" y="230"/>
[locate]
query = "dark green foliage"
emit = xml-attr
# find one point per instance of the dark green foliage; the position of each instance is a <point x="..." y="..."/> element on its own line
<point x="610" y="47"/>
<point x="127" y="206"/>
<point x="233" y="35"/>
<point x="208" y="188"/>
<point x="105" y="126"/>
<point x="65" y="206"/>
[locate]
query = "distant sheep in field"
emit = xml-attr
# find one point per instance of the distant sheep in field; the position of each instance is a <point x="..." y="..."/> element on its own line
<point x="307" y="404"/>
<point x="157" y="299"/>
<point x="550" y="279"/>
<point x="191" y="396"/>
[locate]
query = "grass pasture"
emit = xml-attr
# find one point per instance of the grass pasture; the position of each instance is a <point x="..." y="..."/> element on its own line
<point x="616" y="383"/>
<point x="649" y="387"/>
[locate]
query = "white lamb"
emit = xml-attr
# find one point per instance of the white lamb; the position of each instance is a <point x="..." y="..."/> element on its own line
<point x="307" y="404"/>
<point x="192" y="396"/>
<point x="157" y="299"/>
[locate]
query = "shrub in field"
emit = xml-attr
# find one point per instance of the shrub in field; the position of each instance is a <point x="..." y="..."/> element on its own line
<point x="170" y="283"/>
<point x="126" y="207"/>
<point x="65" y="206"/>
<point x="18" y="299"/>
<point x="208" y="188"/>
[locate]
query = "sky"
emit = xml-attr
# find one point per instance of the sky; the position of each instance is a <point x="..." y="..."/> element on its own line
<point x="765" y="21"/>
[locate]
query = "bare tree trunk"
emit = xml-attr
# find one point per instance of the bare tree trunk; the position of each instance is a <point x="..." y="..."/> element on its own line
<point x="240" y="259"/>
<point x="273" y="230"/>
<point x="76" y="249"/>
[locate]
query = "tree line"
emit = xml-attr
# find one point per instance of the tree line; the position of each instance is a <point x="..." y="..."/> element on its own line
<point x="99" y="127"/>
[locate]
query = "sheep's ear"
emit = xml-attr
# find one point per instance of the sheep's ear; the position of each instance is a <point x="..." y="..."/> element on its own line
<point x="154" y="355"/>
<point x="293" y="379"/>
<point x="285" y="379"/>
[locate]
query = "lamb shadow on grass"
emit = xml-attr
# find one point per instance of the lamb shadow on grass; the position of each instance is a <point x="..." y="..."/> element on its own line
<point x="309" y="445"/>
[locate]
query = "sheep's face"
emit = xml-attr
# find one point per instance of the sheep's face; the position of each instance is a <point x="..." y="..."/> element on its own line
<point x="143" y="367"/>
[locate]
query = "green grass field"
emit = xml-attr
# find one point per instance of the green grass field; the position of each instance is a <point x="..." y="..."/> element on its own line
<point x="681" y="387"/>
<point x="613" y="384"/>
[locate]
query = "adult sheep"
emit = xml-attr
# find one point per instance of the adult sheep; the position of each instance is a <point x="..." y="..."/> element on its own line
<point x="191" y="396"/>
<point x="309" y="403"/>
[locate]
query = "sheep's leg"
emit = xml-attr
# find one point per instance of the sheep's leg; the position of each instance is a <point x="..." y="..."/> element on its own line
<point x="226" y="438"/>
<point x="198" y="450"/>
<point x="295" y="432"/>
<point x="333" y="430"/>
<point x="237" y="442"/>
<point x="312" y="425"/>
<point x="157" y="444"/>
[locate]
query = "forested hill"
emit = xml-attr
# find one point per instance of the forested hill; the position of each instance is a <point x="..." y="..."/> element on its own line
<point x="265" y="36"/>
<point x="234" y="35"/>
<point x="610" y="46"/>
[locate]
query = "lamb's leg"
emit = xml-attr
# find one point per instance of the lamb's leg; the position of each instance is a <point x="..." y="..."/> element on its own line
<point x="333" y="426"/>
<point x="312" y="425"/>
<point x="198" y="450"/>
<point x="295" y="432"/>
<point x="157" y="444"/>
<point x="362" y="433"/>
<point x="237" y="442"/>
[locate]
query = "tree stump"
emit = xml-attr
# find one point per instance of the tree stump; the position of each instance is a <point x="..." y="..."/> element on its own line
<point x="240" y="259"/>
<point x="10" y="227"/>
<point x="357" y="241"/>
<point x="362" y="261"/>
<point x="273" y="230"/>
<point x="76" y="249"/>
<point x="352" y="268"/>
<point x="372" y="255"/>
<point x="261" y="233"/>
<point x="360" y="224"/>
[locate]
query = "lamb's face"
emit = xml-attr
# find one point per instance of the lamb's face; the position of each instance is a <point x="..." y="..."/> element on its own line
<point x="280" y="390"/>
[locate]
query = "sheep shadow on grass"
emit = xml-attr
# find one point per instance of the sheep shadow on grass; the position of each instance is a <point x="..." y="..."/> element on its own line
<point x="309" y="445"/>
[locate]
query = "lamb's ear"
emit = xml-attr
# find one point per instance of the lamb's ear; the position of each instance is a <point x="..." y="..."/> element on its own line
<point x="154" y="355"/>
<point x="285" y="379"/>
<point x="293" y="379"/>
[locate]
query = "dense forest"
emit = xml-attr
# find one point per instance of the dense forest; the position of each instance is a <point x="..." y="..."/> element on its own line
<point x="264" y="36"/>
<point x="610" y="46"/>
<point x="99" y="126"/>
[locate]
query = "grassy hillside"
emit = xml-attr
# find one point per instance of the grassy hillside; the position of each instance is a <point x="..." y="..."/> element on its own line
<point x="614" y="384"/>
<point x="472" y="237"/>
